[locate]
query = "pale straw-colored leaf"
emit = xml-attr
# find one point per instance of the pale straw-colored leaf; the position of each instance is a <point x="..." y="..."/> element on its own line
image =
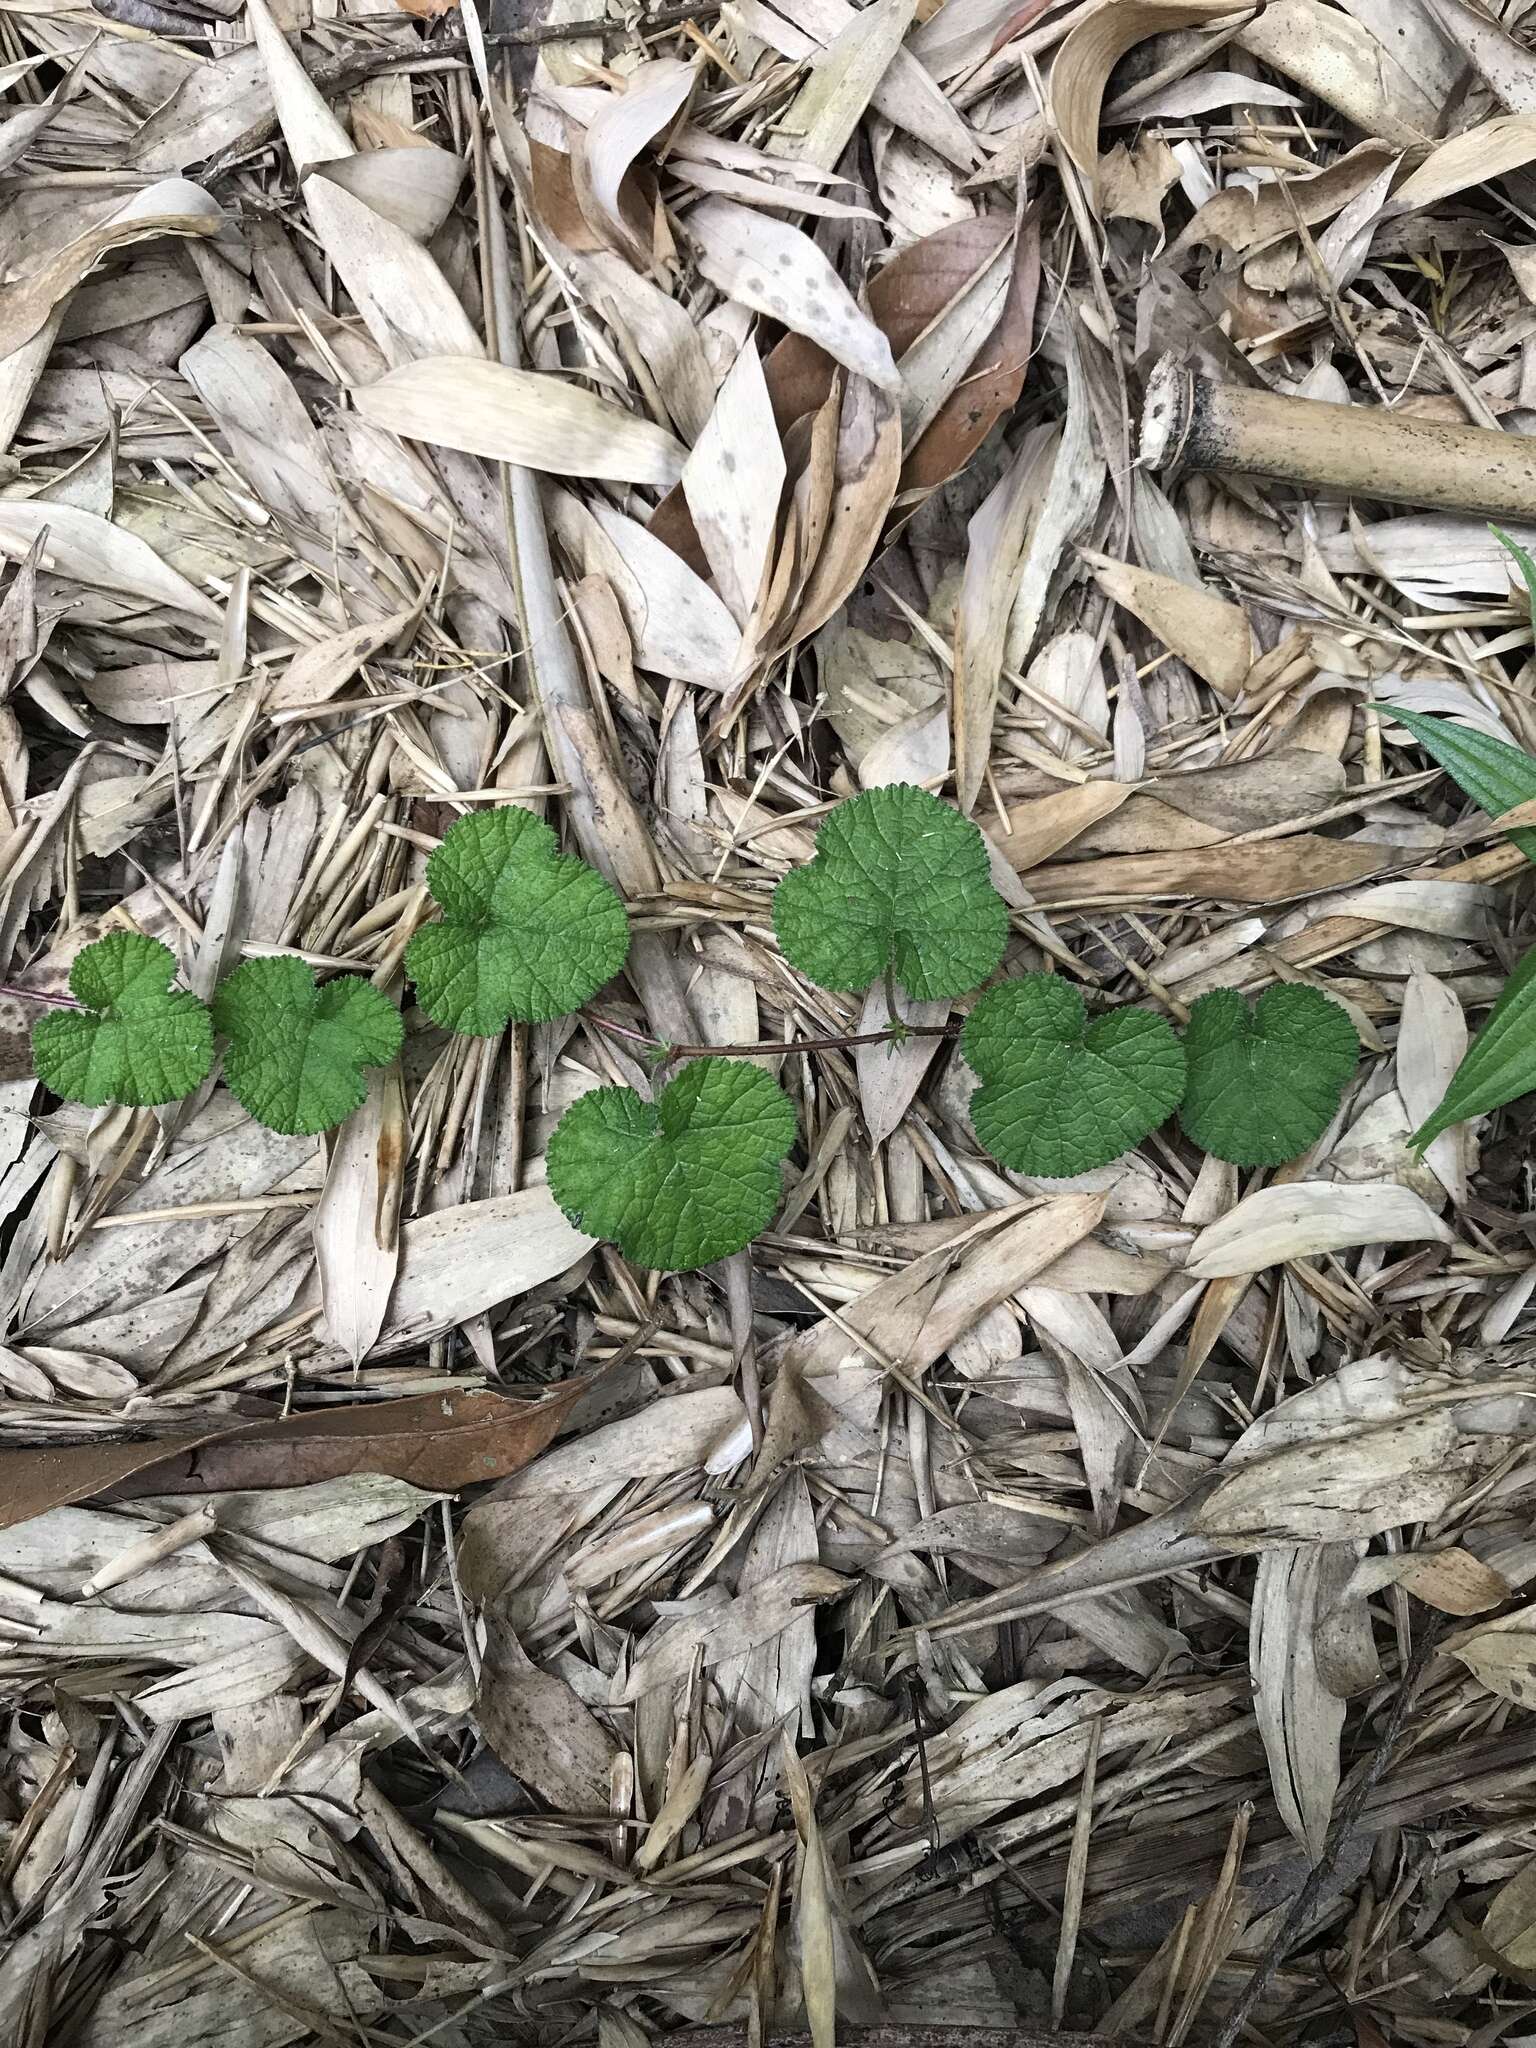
<point x="523" y="416"/>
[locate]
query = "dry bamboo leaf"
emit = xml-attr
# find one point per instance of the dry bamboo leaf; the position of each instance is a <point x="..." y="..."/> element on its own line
<point x="1306" y="1219"/>
<point x="890" y="1075"/>
<point x="1509" y="1926"/>
<point x="414" y="187"/>
<point x="908" y="299"/>
<point x="1092" y="49"/>
<point x="993" y="563"/>
<point x="1452" y="1581"/>
<point x="1432" y="1038"/>
<point x="733" y="481"/>
<point x="1071" y="498"/>
<point x="466" y="1259"/>
<point x="316" y="673"/>
<point x="1487" y="151"/>
<point x="729" y="1628"/>
<point x="1502" y="1655"/>
<point x="1500" y="59"/>
<point x="91" y="550"/>
<point x="539" y="1728"/>
<point x="917" y="1314"/>
<point x="698" y="1427"/>
<point x="1261" y="871"/>
<point x="1134" y="178"/>
<point x="1299" y="1719"/>
<point x="1243" y="219"/>
<point x="1194" y="623"/>
<point x="1344" y="1489"/>
<point x="779" y="272"/>
<point x="1328" y="52"/>
<point x="310" y="129"/>
<point x="357" y="1236"/>
<point x="407" y="305"/>
<point x="867" y="468"/>
<point x="522" y="416"/>
<point x="677" y="624"/>
<point x="1045" y="824"/>
<point x="820" y="121"/>
<point x="268" y="429"/>
<point x="654" y="94"/>
<point x="835" y="1974"/>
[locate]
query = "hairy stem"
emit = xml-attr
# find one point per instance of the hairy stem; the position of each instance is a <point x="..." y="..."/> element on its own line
<point x="836" y="1042"/>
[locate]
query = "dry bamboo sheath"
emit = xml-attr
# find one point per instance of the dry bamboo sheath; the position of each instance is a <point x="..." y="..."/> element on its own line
<point x="1191" y="422"/>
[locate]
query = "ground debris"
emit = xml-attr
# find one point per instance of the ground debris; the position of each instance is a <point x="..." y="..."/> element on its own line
<point x="987" y="1610"/>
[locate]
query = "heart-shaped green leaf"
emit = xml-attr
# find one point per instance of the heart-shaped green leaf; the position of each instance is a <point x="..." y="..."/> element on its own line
<point x="137" y="1041"/>
<point x="526" y="931"/>
<point x="297" y="1052"/>
<point x="899" y="881"/>
<point x="682" y="1181"/>
<point x="1264" y="1082"/>
<point x="1060" y="1095"/>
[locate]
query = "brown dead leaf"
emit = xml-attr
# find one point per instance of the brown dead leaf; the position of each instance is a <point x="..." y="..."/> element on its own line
<point x="1263" y="871"/>
<point x="910" y="294"/>
<point x="436" y="1441"/>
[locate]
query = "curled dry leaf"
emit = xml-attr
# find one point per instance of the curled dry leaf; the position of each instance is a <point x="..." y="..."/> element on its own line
<point x="654" y="94"/>
<point x="1307" y="1218"/>
<point x="174" y="206"/>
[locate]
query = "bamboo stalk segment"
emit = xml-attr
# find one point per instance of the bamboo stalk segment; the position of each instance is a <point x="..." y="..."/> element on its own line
<point x="1189" y="421"/>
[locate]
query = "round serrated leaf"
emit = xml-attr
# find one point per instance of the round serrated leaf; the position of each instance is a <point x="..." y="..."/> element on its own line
<point x="138" y="1041"/>
<point x="1060" y="1095"/>
<point x="1264" y="1082"/>
<point x="526" y="931"/>
<point x="296" y="1051"/>
<point x="899" y="881"/>
<point x="682" y="1181"/>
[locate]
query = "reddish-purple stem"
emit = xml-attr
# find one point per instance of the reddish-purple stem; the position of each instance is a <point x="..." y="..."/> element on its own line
<point x="36" y="995"/>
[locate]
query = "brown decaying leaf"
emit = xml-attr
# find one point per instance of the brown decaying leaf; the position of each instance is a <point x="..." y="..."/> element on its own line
<point x="441" y="1441"/>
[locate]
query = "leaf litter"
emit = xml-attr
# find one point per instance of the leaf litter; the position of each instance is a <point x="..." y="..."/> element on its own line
<point x="987" y="1601"/>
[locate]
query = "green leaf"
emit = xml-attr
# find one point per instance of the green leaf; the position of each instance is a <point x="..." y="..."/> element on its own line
<point x="1522" y="561"/>
<point x="1495" y="775"/>
<point x="297" y="1052"/>
<point x="137" y="1041"/>
<point x="899" y="881"/>
<point x="526" y="931"/>
<point x="1500" y="1063"/>
<point x="1264" y="1082"/>
<point x="1060" y="1095"/>
<point x="681" y="1182"/>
